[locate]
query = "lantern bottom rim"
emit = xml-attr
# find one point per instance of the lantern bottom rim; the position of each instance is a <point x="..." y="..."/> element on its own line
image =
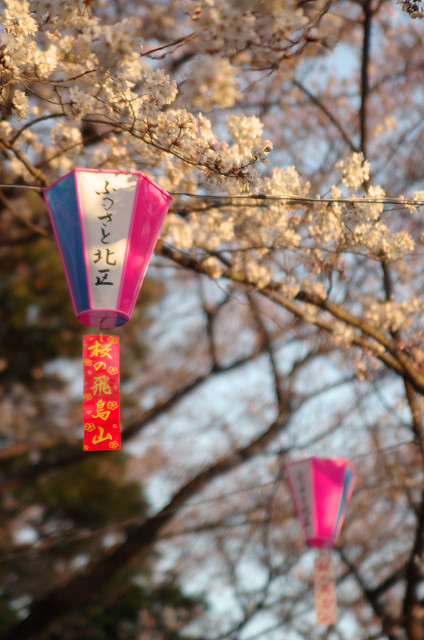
<point x="103" y="318"/>
<point x="321" y="542"/>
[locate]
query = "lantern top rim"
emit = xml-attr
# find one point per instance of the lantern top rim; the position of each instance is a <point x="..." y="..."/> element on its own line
<point x="76" y="170"/>
<point x="320" y="458"/>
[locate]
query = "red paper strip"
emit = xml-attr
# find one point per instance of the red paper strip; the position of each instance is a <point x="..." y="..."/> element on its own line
<point x="325" y="590"/>
<point x="101" y="393"/>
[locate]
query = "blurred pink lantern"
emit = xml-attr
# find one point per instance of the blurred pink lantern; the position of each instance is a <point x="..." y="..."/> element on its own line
<point x="106" y="225"/>
<point x="321" y="489"/>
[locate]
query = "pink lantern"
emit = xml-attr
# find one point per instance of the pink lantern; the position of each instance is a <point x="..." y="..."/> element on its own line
<point x="106" y="225"/>
<point x="321" y="489"/>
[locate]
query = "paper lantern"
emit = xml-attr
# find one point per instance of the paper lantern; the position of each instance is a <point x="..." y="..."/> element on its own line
<point x="106" y="225"/>
<point x="321" y="488"/>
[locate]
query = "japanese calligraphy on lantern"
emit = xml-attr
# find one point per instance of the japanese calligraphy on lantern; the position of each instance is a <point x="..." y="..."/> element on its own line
<point x="101" y="393"/>
<point x="106" y="225"/>
<point x="301" y="481"/>
<point x="325" y="590"/>
<point x="108" y="199"/>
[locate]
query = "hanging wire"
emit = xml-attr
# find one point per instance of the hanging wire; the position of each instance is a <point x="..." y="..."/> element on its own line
<point x="263" y="196"/>
<point x="304" y="199"/>
<point x="21" y="186"/>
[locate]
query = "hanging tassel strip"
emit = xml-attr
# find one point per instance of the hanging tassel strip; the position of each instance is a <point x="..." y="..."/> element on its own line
<point x="101" y="409"/>
<point x="325" y="590"/>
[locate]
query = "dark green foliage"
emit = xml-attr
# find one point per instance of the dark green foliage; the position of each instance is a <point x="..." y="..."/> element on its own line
<point x="84" y="509"/>
<point x="92" y="493"/>
<point x="133" y="612"/>
<point x="37" y="322"/>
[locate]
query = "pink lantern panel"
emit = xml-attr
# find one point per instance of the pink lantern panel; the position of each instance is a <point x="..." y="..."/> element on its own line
<point x="321" y="489"/>
<point x="106" y="225"/>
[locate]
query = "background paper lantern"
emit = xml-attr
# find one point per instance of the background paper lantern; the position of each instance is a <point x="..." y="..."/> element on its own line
<point x="321" y="489"/>
<point x="106" y="225"/>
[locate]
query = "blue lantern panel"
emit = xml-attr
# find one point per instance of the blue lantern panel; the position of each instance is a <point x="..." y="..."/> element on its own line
<point x="347" y="484"/>
<point x="62" y="200"/>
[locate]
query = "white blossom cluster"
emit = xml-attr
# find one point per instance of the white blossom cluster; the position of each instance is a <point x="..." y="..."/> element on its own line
<point x="21" y="104"/>
<point x="392" y="315"/>
<point x="355" y="171"/>
<point x="15" y="44"/>
<point x="113" y="45"/>
<point x="229" y="25"/>
<point x="254" y="234"/>
<point x="357" y="223"/>
<point x="81" y="102"/>
<point x="260" y="31"/>
<point x="46" y="61"/>
<point x="378" y="241"/>
<point x="59" y="13"/>
<point x="159" y="88"/>
<point x="342" y="334"/>
<point x="244" y="130"/>
<point x="92" y="72"/>
<point x="357" y="226"/>
<point x="212" y="82"/>
<point x="65" y="135"/>
<point x="221" y="25"/>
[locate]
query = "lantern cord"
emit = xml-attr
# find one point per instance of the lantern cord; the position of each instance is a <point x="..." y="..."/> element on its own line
<point x="100" y="329"/>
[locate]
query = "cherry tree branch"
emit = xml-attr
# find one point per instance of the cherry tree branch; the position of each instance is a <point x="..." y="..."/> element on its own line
<point x="370" y="338"/>
<point x="61" y="600"/>
<point x="321" y="106"/>
<point x="36" y="173"/>
<point x="366" y="50"/>
<point x="390" y="626"/>
<point x="412" y="611"/>
<point x="74" y="454"/>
